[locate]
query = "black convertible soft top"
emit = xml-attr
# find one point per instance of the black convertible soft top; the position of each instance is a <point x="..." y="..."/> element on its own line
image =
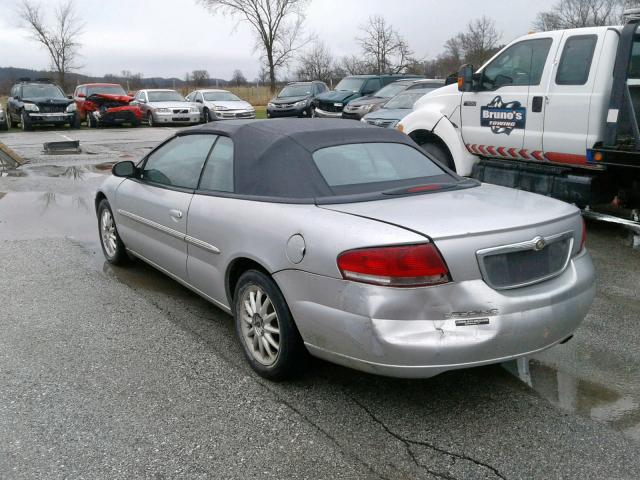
<point x="273" y="158"/>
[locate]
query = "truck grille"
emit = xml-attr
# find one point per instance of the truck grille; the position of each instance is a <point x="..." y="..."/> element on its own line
<point x="329" y="107"/>
<point x="525" y="263"/>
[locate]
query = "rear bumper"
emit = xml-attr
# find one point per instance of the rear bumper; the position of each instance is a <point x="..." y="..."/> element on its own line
<point x="421" y="332"/>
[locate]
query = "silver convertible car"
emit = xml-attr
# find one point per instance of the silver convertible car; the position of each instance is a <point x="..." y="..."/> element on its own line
<point x="346" y="241"/>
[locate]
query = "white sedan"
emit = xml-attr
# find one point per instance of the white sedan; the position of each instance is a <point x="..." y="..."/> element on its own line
<point x="221" y="105"/>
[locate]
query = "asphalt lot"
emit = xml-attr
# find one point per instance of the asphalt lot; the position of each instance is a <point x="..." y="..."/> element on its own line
<point x="122" y="373"/>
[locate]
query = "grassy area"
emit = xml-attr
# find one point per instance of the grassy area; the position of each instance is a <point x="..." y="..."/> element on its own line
<point x="261" y="112"/>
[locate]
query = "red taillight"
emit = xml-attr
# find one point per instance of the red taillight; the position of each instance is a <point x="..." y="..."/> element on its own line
<point x="583" y="238"/>
<point x="397" y="266"/>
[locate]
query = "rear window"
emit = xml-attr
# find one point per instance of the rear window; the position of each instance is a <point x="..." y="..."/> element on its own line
<point x="374" y="167"/>
<point x="575" y="61"/>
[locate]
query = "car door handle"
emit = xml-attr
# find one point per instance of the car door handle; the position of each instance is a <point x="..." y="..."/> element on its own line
<point x="536" y="104"/>
<point x="469" y="104"/>
<point x="175" y="213"/>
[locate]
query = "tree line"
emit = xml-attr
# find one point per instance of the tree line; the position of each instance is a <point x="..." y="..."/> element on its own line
<point x="282" y="41"/>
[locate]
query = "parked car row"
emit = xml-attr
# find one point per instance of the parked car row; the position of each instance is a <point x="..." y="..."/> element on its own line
<point x="41" y="102"/>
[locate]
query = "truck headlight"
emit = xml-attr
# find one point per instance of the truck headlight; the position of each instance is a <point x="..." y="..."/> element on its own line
<point x="71" y="108"/>
<point x="31" y="107"/>
<point x="162" y="110"/>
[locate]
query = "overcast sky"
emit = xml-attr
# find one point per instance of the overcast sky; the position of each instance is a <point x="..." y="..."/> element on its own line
<point x="170" y="37"/>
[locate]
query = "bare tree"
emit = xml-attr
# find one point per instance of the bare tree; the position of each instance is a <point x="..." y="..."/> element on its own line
<point x="200" y="78"/>
<point x="582" y="13"/>
<point x="480" y="41"/>
<point x="355" y="65"/>
<point x="276" y="23"/>
<point x="384" y="48"/>
<point x="238" y="78"/>
<point x="317" y="63"/>
<point x="60" y="38"/>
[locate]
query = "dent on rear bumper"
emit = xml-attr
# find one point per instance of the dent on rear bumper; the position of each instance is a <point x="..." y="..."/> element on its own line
<point x="411" y="332"/>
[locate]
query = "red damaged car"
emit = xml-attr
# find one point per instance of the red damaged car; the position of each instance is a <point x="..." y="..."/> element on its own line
<point x="105" y="104"/>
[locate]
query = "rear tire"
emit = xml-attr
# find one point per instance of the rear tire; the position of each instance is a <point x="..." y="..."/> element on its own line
<point x="114" y="250"/>
<point x="439" y="153"/>
<point x="266" y="330"/>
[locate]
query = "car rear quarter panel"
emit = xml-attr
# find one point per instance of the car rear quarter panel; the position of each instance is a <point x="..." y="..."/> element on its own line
<point x="260" y="231"/>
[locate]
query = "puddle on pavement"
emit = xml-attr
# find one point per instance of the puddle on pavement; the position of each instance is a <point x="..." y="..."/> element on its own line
<point x="620" y="411"/>
<point x="72" y="172"/>
<point x="29" y="215"/>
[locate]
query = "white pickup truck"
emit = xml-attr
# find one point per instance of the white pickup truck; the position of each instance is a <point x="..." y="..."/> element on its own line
<point x="553" y="113"/>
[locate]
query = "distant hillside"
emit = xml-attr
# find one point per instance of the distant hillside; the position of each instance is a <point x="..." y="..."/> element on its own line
<point x="9" y="75"/>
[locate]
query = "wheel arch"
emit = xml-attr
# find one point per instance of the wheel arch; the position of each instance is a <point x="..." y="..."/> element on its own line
<point x="99" y="197"/>
<point x="234" y="271"/>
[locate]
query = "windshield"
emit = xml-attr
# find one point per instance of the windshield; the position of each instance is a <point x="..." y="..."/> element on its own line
<point x="42" y="91"/>
<point x="221" y="97"/>
<point x="375" y="167"/>
<point x="350" y="84"/>
<point x="295" y="91"/>
<point x="165" y="96"/>
<point x="390" y="90"/>
<point x="405" y="100"/>
<point x="106" y="90"/>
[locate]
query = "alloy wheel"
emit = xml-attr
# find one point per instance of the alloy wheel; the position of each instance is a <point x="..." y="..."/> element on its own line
<point x="108" y="233"/>
<point x="260" y="326"/>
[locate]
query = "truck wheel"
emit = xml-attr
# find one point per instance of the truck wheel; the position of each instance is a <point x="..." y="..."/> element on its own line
<point x="439" y="153"/>
<point x="25" y="121"/>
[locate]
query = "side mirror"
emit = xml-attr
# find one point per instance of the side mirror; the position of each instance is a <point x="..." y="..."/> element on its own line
<point x="70" y="97"/>
<point x="124" y="169"/>
<point x="199" y="100"/>
<point x="81" y="95"/>
<point x="142" y="100"/>
<point x="465" y="78"/>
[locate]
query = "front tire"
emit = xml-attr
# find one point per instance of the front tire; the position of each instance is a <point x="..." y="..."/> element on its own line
<point x="439" y="153"/>
<point x="269" y="337"/>
<point x="114" y="250"/>
<point x="76" y="122"/>
<point x="150" y="120"/>
<point x="4" y="126"/>
<point x="91" y="121"/>
<point x="207" y="115"/>
<point x="25" y="121"/>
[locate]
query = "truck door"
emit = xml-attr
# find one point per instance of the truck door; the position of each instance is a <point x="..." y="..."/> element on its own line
<point x="494" y="117"/>
<point x="569" y="98"/>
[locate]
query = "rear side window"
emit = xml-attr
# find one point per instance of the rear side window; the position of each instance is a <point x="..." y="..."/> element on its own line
<point x="575" y="61"/>
<point x="373" y="163"/>
<point x="178" y="163"/>
<point x="218" y="173"/>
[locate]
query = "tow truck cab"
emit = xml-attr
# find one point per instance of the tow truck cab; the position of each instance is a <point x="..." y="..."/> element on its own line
<point x="552" y="112"/>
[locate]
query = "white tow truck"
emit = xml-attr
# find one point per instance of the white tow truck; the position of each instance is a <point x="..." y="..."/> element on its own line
<point x="554" y="113"/>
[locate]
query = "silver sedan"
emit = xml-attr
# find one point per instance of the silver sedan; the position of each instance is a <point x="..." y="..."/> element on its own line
<point x="160" y="107"/>
<point x="347" y="242"/>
